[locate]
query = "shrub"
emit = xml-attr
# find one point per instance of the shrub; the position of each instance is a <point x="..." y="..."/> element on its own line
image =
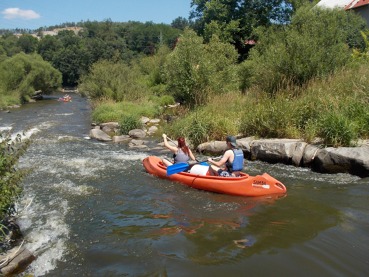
<point x="129" y="122"/>
<point x="10" y="177"/>
<point x="338" y="130"/>
<point x="22" y="75"/>
<point x="195" y="71"/>
<point x="109" y="80"/>
<point x="315" y="44"/>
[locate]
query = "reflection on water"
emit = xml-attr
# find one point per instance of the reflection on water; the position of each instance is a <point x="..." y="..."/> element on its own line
<point x="89" y="209"/>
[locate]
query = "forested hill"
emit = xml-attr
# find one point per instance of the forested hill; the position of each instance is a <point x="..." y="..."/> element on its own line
<point x="73" y="48"/>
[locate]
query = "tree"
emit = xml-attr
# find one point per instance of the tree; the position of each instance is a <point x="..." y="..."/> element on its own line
<point x="315" y="44"/>
<point x="194" y="71"/>
<point x="23" y="74"/>
<point x="180" y="23"/>
<point x="235" y="20"/>
<point x="27" y="43"/>
<point x="48" y="46"/>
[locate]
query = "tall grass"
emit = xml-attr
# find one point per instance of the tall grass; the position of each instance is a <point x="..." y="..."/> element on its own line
<point x="334" y="109"/>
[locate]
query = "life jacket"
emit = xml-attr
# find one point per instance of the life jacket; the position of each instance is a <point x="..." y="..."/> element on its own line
<point x="237" y="164"/>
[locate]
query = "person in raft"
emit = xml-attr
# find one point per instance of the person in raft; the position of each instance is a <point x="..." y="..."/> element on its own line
<point x="231" y="163"/>
<point x="181" y="154"/>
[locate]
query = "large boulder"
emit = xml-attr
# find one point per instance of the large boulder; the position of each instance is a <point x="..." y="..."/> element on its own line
<point x="286" y="151"/>
<point x="137" y="133"/>
<point x="353" y="160"/>
<point x="212" y="147"/>
<point x="99" y="135"/>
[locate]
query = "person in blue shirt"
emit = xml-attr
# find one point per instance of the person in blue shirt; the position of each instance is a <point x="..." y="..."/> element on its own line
<point x="231" y="163"/>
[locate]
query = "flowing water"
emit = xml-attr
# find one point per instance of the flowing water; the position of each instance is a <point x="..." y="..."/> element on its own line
<point x="89" y="209"/>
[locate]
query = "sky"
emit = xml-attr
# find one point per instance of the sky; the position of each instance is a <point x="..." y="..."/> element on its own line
<point x="33" y="14"/>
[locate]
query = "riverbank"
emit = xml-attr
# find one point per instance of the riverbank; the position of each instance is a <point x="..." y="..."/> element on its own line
<point x="352" y="160"/>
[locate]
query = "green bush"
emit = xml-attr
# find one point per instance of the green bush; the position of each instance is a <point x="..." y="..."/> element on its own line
<point x="10" y="177"/>
<point x="315" y="44"/>
<point x="196" y="71"/>
<point x="129" y="122"/>
<point x="21" y="75"/>
<point x="338" y="130"/>
<point x="110" y="80"/>
<point x="111" y="111"/>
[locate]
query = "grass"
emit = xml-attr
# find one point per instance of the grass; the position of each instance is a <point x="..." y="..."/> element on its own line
<point x="334" y="109"/>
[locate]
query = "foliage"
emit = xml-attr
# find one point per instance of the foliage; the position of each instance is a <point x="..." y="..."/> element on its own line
<point x="362" y="53"/>
<point x="10" y="177"/>
<point x="22" y="75"/>
<point x="233" y="21"/>
<point x="109" y="80"/>
<point x="130" y="122"/>
<point x="209" y="122"/>
<point x="27" y="43"/>
<point x="334" y="109"/>
<point x="337" y="129"/>
<point x="195" y="71"/>
<point x="315" y="44"/>
<point x="151" y="70"/>
<point x="115" y="111"/>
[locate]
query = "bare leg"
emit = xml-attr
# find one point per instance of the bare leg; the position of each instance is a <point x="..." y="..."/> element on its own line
<point x="166" y="162"/>
<point x="213" y="170"/>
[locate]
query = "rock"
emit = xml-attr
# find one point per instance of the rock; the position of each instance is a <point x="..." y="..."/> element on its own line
<point x="212" y="147"/>
<point x="137" y="133"/>
<point x="111" y="125"/>
<point x="154" y="121"/>
<point x="152" y="130"/>
<point x="309" y="155"/>
<point x="122" y="138"/>
<point x="353" y="160"/>
<point x="145" y="119"/>
<point x="99" y="135"/>
<point x="137" y="144"/>
<point x="287" y="151"/>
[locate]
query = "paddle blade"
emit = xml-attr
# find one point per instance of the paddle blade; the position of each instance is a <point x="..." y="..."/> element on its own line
<point x="176" y="168"/>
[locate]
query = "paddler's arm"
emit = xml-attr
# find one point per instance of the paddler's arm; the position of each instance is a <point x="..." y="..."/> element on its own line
<point x="222" y="161"/>
<point x="167" y="145"/>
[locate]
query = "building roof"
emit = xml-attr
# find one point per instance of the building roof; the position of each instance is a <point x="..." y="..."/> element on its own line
<point x="344" y="4"/>
<point x="356" y="4"/>
<point x="333" y="3"/>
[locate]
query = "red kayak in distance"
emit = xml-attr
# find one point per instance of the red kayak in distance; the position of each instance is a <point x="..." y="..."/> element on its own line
<point x="245" y="185"/>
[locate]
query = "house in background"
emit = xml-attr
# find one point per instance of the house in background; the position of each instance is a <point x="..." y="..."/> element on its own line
<point x="359" y="6"/>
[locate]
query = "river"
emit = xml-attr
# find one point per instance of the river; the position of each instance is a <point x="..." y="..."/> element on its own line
<point x="89" y="209"/>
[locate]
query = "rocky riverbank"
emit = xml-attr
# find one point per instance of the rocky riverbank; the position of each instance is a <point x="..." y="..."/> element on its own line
<point x="352" y="160"/>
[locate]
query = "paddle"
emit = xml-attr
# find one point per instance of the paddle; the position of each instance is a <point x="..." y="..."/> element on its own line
<point x="179" y="167"/>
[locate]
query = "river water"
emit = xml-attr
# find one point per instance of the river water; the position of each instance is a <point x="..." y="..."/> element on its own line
<point x="89" y="209"/>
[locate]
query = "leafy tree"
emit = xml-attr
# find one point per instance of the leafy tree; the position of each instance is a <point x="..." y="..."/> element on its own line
<point x="48" y="46"/>
<point x="27" y="43"/>
<point x="194" y="71"/>
<point x="180" y="23"/>
<point x="24" y="74"/>
<point x="315" y="44"/>
<point x="9" y="43"/>
<point x="234" y="20"/>
<point x="112" y="80"/>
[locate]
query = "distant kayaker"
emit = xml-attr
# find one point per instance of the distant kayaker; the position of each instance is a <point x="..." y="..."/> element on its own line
<point x="231" y="163"/>
<point x="182" y="153"/>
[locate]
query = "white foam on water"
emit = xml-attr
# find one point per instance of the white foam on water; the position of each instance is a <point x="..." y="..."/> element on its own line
<point x="46" y="232"/>
<point x="64" y="114"/>
<point x="7" y="128"/>
<point x="70" y="188"/>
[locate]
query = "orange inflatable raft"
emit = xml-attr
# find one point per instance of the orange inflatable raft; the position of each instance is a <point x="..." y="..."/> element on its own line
<point x="245" y="185"/>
